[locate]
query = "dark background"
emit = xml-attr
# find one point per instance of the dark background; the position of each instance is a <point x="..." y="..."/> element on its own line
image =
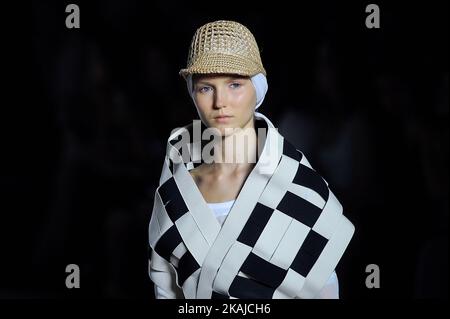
<point x="84" y="136"/>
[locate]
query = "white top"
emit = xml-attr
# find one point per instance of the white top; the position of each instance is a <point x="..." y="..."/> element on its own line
<point x="221" y="210"/>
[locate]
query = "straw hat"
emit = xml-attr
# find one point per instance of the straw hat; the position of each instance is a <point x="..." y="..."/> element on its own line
<point x="223" y="47"/>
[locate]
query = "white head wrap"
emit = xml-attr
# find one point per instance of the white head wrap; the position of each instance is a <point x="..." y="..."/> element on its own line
<point x="259" y="82"/>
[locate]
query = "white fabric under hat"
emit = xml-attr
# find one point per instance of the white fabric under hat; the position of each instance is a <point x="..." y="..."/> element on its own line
<point x="259" y="83"/>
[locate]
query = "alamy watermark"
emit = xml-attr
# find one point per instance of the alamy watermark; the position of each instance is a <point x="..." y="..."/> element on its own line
<point x="373" y="279"/>
<point x="73" y="279"/>
<point x="373" y="19"/>
<point x="73" y="19"/>
<point x="232" y="145"/>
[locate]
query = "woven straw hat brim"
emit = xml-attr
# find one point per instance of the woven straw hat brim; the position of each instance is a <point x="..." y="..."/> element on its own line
<point x="223" y="63"/>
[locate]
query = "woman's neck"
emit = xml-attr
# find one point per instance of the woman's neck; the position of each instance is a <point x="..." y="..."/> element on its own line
<point x="237" y="151"/>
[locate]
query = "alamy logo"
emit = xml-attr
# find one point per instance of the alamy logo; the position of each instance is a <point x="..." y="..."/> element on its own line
<point x="373" y="19"/>
<point x="73" y="19"/>
<point x="373" y="279"/>
<point x="73" y="279"/>
<point x="238" y="149"/>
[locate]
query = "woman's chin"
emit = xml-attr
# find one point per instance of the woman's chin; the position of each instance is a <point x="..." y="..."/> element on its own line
<point x="221" y="130"/>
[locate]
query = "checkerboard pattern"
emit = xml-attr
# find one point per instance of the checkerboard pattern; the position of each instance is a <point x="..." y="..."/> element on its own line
<point x="171" y="239"/>
<point x="286" y="226"/>
<point x="260" y="274"/>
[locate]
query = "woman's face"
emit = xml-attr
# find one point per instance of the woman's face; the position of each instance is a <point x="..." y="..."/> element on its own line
<point x="225" y="101"/>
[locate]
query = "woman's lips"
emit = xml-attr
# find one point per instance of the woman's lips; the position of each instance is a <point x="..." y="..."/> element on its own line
<point x="222" y="118"/>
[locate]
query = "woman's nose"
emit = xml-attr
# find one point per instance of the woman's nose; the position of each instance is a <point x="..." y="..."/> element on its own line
<point x="220" y="98"/>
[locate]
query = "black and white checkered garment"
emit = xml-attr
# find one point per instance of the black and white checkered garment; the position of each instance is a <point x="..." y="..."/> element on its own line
<point x="282" y="238"/>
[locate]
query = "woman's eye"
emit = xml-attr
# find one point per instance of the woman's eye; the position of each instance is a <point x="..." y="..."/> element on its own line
<point x="235" y="85"/>
<point x="204" y="89"/>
